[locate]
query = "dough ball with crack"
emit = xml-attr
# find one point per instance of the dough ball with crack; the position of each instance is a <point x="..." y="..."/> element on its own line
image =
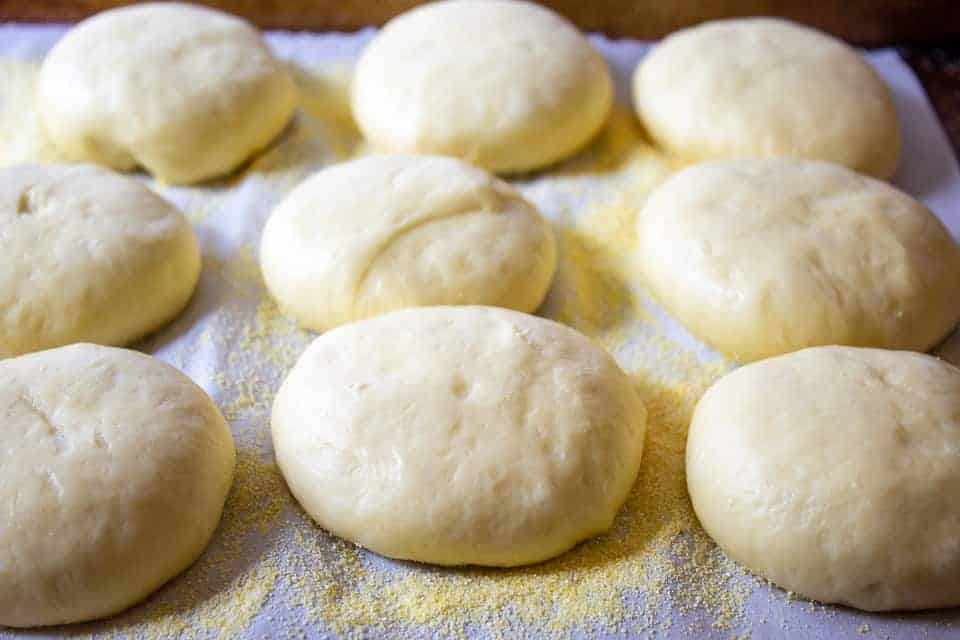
<point x="833" y="472"/>
<point x="760" y="87"/>
<point x="763" y="257"/>
<point x="386" y="232"/>
<point x="509" y="86"/>
<point x="186" y="92"/>
<point x="459" y="435"/>
<point x="88" y="256"/>
<point x="114" y="474"/>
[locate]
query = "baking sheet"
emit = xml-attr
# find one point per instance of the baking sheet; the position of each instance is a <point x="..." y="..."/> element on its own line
<point x="270" y="573"/>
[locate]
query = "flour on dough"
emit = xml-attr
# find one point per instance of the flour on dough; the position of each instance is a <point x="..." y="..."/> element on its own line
<point x="386" y="232"/>
<point x="88" y="256"/>
<point x="763" y="257"/>
<point x="186" y="92"/>
<point x="833" y="472"/>
<point x="459" y="435"/>
<point x="115" y="471"/>
<point x="509" y="86"/>
<point x="760" y="87"/>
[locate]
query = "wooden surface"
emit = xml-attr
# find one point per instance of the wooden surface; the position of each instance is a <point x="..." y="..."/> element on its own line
<point x="863" y="22"/>
<point x="939" y="70"/>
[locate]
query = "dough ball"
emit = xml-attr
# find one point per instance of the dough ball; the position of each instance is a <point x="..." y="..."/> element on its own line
<point x="381" y="233"/>
<point x="763" y="257"/>
<point x="761" y="87"/>
<point x="459" y="435"/>
<point x="115" y="470"/>
<point x="187" y="93"/>
<point x="88" y="256"/>
<point x="833" y="472"/>
<point x="509" y="86"/>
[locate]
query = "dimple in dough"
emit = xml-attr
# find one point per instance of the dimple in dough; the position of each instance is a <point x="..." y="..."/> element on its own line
<point x="509" y="86"/>
<point x="833" y="472"/>
<point x="459" y="435"/>
<point x="186" y="92"/>
<point x="88" y="256"/>
<point x="386" y="232"/>
<point x="115" y="471"/>
<point x="763" y="257"/>
<point x="761" y="87"/>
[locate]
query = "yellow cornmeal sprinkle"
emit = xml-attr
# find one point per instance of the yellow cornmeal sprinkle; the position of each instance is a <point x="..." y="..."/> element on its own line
<point x="272" y="572"/>
<point x="322" y="132"/>
<point x="592" y="290"/>
<point x="655" y="557"/>
<point x="222" y="593"/>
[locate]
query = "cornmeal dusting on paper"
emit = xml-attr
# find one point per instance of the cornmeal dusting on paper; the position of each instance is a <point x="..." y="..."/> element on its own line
<point x="270" y="565"/>
<point x="223" y="592"/>
<point x="656" y="559"/>
<point x="322" y="132"/>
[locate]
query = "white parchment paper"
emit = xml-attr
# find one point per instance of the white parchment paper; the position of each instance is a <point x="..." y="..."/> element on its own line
<point x="230" y="213"/>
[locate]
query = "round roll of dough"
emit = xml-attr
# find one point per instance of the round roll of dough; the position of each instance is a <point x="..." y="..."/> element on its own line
<point x="187" y="93"/>
<point x="88" y="256"/>
<point x="459" y="435"/>
<point x="833" y="472"/>
<point x="509" y="86"/>
<point x="385" y="232"/>
<point x="763" y="257"/>
<point x="760" y="87"/>
<point x="115" y="473"/>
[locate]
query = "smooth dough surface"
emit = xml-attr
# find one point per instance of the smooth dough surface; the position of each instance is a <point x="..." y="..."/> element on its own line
<point x="763" y="257"/>
<point x="187" y="93"/>
<point x="385" y="232"/>
<point x="88" y="256"/>
<point x="833" y="472"/>
<point x="509" y="86"/>
<point x="459" y="435"/>
<point x="114" y="468"/>
<point x="761" y="87"/>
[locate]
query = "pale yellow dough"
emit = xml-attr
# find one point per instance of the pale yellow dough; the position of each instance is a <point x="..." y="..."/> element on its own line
<point x="385" y="232"/>
<point x="833" y="472"/>
<point x="760" y="87"/>
<point x="187" y="93"/>
<point x="509" y="86"/>
<point x="88" y="256"/>
<point x="763" y="257"/>
<point x="115" y="471"/>
<point x="459" y="435"/>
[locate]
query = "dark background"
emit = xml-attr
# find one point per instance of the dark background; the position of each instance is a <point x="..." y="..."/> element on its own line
<point x="863" y="22"/>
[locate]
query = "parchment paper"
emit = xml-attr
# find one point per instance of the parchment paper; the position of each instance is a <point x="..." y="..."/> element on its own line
<point x="229" y="214"/>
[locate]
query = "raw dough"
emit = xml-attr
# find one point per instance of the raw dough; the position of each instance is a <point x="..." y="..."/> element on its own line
<point x="509" y="86"/>
<point x="386" y="232"/>
<point x="20" y="130"/>
<point x="113" y="475"/>
<point x="760" y="87"/>
<point x="88" y="255"/>
<point x="833" y="471"/>
<point x="186" y="92"/>
<point x="459" y="435"/>
<point x="763" y="257"/>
